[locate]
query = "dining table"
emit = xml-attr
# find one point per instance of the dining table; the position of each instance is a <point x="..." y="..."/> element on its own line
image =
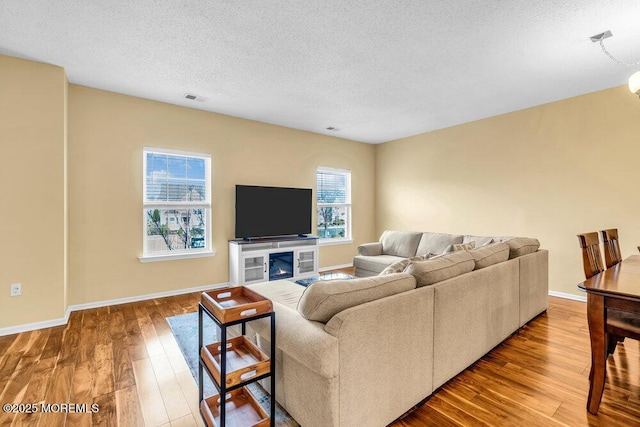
<point x="616" y="288"/>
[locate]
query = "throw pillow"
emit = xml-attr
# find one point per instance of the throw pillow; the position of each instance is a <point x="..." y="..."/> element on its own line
<point x="519" y="246"/>
<point x="436" y="243"/>
<point x="480" y="240"/>
<point x="399" y="266"/>
<point x="490" y="254"/>
<point x="460" y="247"/>
<point x="323" y="299"/>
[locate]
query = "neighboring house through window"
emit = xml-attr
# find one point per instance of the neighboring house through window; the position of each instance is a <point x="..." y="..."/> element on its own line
<point x="177" y="203"/>
<point x="334" y="204"/>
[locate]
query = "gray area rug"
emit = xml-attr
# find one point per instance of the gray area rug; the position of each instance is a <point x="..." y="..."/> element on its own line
<point x="185" y="329"/>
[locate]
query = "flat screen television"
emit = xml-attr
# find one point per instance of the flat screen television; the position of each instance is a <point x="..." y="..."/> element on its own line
<point x="272" y="211"/>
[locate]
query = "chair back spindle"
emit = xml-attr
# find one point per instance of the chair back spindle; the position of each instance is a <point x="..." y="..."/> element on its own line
<point x="591" y="259"/>
<point x="611" y="247"/>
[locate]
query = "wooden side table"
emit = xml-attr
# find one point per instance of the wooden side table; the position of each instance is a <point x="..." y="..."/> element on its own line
<point x="234" y="363"/>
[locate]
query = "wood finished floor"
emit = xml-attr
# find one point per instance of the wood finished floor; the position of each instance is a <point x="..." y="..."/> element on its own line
<point x="125" y="359"/>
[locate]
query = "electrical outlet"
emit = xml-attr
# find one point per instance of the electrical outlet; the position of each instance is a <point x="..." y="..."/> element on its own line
<point x="16" y="289"/>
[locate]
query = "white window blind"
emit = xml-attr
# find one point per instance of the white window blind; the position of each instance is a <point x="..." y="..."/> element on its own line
<point x="333" y="190"/>
<point x="176" y="202"/>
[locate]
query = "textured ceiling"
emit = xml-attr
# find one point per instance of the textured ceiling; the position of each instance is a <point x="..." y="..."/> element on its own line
<point x="377" y="70"/>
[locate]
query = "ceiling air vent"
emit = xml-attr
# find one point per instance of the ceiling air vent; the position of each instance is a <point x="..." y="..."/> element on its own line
<point x="195" y="97"/>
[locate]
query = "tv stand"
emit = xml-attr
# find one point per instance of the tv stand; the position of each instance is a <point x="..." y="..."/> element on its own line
<point x="272" y="258"/>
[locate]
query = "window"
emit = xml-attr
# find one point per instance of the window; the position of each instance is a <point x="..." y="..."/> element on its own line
<point x="176" y="203"/>
<point x="334" y="204"/>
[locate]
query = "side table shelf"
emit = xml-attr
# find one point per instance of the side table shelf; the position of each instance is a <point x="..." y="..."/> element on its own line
<point x="233" y="363"/>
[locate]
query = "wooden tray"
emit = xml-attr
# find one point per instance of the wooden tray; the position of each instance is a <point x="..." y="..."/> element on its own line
<point x="244" y="360"/>
<point x="242" y="410"/>
<point x="236" y="303"/>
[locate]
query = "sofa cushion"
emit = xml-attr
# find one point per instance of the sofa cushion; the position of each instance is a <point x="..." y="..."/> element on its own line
<point x="400" y="243"/>
<point x="441" y="268"/>
<point x="479" y="240"/>
<point x="436" y="243"/>
<point x="370" y="249"/>
<point x="519" y="246"/>
<point x="490" y="254"/>
<point x="399" y="266"/>
<point x="375" y="263"/>
<point x="323" y="299"/>
<point x="284" y="292"/>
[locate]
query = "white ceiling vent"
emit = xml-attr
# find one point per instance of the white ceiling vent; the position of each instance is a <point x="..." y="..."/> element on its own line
<point x="195" y="97"/>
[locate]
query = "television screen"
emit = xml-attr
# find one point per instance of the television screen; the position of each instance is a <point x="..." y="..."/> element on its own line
<point x="272" y="211"/>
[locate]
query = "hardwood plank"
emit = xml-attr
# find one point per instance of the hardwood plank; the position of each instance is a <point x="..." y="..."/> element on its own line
<point x="107" y="415"/>
<point x="453" y="413"/>
<point x="71" y="339"/>
<point x="466" y="405"/>
<point x="40" y="380"/>
<point x="128" y="409"/>
<point x="54" y="343"/>
<point x="58" y="392"/>
<point x="20" y="342"/>
<point x="153" y="410"/>
<point x="8" y="367"/>
<point x="81" y="393"/>
<point x="125" y="359"/>
<point x="190" y="391"/>
<point x="186" y="421"/>
<point x="123" y="369"/>
<point x="34" y="348"/>
<point x="104" y="382"/>
<point x="16" y="387"/>
<point x="137" y="346"/>
<point x="5" y="343"/>
<point x="151" y="340"/>
<point x="174" y="401"/>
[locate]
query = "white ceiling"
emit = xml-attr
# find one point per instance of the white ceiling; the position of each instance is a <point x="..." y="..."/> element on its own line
<point x="377" y="70"/>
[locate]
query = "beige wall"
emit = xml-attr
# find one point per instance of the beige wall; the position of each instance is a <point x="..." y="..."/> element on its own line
<point x="107" y="132"/>
<point x="522" y="173"/>
<point x="549" y="172"/>
<point x="32" y="188"/>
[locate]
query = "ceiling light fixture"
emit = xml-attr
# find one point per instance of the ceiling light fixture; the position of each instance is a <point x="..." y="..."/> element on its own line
<point x="634" y="80"/>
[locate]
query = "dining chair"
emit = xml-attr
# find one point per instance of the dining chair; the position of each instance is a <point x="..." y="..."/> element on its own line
<point x="591" y="259"/>
<point x="620" y="323"/>
<point x="592" y="264"/>
<point x="611" y="247"/>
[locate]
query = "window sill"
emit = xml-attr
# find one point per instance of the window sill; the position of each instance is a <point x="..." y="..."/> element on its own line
<point x="331" y="242"/>
<point x="171" y="257"/>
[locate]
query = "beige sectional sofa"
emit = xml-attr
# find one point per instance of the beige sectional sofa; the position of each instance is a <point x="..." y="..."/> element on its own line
<point x="364" y="351"/>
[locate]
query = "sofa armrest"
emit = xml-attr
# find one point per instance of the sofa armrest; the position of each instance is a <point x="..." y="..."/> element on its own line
<point x="302" y="339"/>
<point x="370" y="249"/>
<point x="393" y="332"/>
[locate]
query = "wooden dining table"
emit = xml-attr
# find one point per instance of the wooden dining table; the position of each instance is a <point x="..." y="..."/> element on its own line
<point x="618" y="287"/>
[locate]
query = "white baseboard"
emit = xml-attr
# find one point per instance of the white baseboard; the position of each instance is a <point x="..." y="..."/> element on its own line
<point x="568" y="296"/>
<point x="36" y="325"/>
<point x="76" y="307"/>
<point x="334" y="267"/>
<point x="117" y="301"/>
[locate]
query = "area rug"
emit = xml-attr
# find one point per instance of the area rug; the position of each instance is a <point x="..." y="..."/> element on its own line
<point x="326" y="276"/>
<point x="185" y="329"/>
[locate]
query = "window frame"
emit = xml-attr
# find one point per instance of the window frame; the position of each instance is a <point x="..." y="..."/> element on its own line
<point x="347" y="204"/>
<point x="177" y="205"/>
